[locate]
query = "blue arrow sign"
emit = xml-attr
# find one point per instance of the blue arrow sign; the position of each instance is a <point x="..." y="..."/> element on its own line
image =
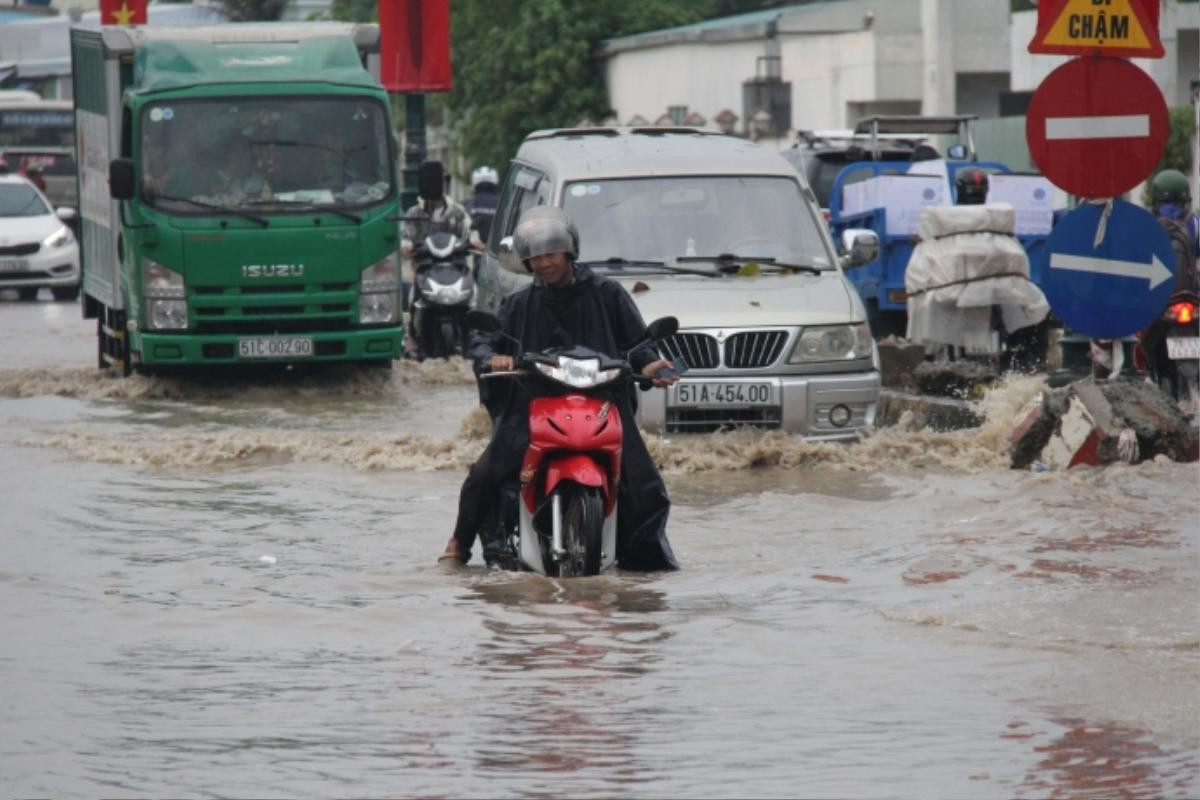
<point x="1114" y="289"/>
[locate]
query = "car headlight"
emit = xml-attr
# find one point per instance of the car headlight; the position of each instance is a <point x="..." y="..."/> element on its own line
<point x="831" y="343"/>
<point x="377" y="308"/>
<point x="158" y="281"/>
<point x="60" y="238"/>
<point x="382" y="276"/>
<point x="582" y="373"/>
<point x="167" y="315"/>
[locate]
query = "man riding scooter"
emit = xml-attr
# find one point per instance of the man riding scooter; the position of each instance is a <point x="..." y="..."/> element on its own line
<point x="566" y="305"/>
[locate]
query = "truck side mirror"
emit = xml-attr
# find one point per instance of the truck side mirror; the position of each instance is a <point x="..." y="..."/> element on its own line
<point x="508" y="258"/>
<point x="957" y="151"/>
<point x="121" y="183"/>
<point x="859" y="246"/>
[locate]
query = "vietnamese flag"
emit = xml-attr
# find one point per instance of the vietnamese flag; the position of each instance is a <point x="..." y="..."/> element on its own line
<point x="122" y="12"/>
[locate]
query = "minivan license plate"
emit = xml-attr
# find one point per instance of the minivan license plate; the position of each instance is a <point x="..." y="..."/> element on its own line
<point x="1183" y="347"/>
<point x="276" y="347"/>
<point x="713" y="393"/>
<point x="14" y="264"/>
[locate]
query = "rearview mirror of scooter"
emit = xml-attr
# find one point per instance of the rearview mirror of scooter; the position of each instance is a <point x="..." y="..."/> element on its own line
<point x="482" y="321"/>
<point x="662" y="328"/>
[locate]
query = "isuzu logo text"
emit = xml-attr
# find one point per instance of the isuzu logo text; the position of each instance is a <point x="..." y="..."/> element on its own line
<point x="273" y="271"/>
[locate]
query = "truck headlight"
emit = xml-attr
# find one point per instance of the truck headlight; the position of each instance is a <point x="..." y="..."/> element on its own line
<point x="167" y="315"/>
<point x="831" y="343"/>
<point x="158" y="281"/>
<point x="377" y="308"/>
<point x="382" y="276"/>
<point x="60" y="238"/>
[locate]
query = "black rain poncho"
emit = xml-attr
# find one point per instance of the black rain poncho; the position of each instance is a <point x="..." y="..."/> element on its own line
<point x="591" y="312"/>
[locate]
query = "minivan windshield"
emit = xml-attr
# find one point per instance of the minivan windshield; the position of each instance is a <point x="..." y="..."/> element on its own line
<point x="666" y="219"/>
<point x="265" y="154"/>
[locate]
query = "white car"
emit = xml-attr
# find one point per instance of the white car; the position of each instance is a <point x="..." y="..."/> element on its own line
<point x="37" y="247"/>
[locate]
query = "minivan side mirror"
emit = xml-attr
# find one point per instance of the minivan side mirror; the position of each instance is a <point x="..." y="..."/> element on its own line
<point x="859" y="246"/>
<point x="121" y="183"/>
<point x="508" y="258"/>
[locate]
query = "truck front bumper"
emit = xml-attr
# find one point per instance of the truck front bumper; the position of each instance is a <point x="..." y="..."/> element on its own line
<point x="183" y="348"/>
<point x="832" y="406"/>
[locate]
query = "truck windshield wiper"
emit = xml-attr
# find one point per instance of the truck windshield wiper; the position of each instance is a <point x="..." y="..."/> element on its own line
<point x="728" y="262"/>
<point x="215" y="207"/>
<point x="355" y="218"/>
<point x="619" y="263"/>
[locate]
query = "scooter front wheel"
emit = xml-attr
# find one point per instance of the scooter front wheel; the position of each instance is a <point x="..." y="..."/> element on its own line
<point x="582" y="529"/>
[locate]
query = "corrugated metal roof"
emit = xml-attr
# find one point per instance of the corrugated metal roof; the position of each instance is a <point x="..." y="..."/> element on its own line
<point x="698" y="30"/>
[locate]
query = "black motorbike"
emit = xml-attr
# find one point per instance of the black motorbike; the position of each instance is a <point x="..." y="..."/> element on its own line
<point x="1171" y="349"/>
<point x="443" y="292"/>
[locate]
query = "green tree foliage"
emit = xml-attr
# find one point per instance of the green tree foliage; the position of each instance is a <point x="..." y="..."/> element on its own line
<point x="1178" y="154"/>
<point x="520" y="65"/>
<point x="253" y="10"/>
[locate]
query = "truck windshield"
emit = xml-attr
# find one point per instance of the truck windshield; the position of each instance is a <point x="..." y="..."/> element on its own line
<point x="272" y="155"/>
<point x="665" y="218"/>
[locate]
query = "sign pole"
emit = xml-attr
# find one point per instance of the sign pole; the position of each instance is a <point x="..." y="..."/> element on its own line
<point x="414" y="145"/>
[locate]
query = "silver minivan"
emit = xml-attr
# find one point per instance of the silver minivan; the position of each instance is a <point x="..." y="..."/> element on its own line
<point x="726" y="236"/>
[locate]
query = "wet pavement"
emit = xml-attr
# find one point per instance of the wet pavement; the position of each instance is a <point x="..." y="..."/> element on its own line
<point x="227" y="588"/>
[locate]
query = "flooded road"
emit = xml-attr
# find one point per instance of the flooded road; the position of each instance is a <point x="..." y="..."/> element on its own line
<point x="228" y="588"/>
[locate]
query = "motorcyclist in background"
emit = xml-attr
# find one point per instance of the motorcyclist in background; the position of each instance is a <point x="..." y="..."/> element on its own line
<point x="566" y="305"/>
<point x="1173" y="208"/>
<point x="434" y="211"/>
<point x="482" y="205"/>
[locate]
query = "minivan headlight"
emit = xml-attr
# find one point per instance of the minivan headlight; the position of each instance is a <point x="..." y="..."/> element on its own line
<point x="158" y="281"/>
<point x="831" y="343"/>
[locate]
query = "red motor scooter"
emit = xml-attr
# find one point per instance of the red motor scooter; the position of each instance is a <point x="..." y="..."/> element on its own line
<point x="566" y="523"/>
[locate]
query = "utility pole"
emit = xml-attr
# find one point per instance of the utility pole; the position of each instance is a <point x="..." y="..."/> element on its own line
<point x="414" y="144"/>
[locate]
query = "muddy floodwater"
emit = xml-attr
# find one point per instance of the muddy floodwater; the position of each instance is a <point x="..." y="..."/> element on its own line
<point x="228" y="588"/>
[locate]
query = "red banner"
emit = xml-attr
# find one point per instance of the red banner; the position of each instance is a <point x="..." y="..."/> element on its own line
<point x="123" y="12"/>
<point x="414" y="48"/>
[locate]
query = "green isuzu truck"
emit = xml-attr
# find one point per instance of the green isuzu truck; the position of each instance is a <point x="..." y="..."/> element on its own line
<point x="238" y="195"/>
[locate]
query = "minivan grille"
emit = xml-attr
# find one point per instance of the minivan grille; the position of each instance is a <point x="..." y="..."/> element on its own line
<point x="698" y="350"/>
<point x="754" y="349"/>
<point x="710" y="420"/>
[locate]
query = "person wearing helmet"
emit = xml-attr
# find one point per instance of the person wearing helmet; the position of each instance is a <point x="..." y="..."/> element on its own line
<point x="434" y="211"/>
<point x="482" y="205"/>
<point x="566" y="305"/>
<point x="1173" y="208"/>
<point x="970" y="187"/>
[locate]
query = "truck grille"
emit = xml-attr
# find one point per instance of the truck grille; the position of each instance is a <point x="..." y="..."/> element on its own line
<point x="754" y="349"/>
<point x="282" y="308"/>
<point x="708" y="420"/>
<point x="698" y="350"/>
<point x="20" y="249"/>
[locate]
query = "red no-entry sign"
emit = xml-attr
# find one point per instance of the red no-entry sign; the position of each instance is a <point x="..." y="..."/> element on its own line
<point x="1097" y="127"/>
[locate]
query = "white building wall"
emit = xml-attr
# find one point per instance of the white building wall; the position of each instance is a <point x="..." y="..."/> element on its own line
<point x="704" y="77"/>
<point x="826" y="73"/>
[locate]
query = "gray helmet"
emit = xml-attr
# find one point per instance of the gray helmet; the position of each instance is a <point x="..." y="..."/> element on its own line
<point x="542" y="230"/>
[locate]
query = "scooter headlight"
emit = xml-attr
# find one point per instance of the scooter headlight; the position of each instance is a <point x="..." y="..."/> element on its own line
<point x="581" y="373"/>
<point x="448" y="294"/>
<point x="831" y="343"/>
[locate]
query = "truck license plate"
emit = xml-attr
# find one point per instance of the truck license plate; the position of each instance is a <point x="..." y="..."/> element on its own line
<point x="1183" y="347"/>
<point x="276" y="347"/>
<point x="693" y="393"/>
<point x="14" y="264"/>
